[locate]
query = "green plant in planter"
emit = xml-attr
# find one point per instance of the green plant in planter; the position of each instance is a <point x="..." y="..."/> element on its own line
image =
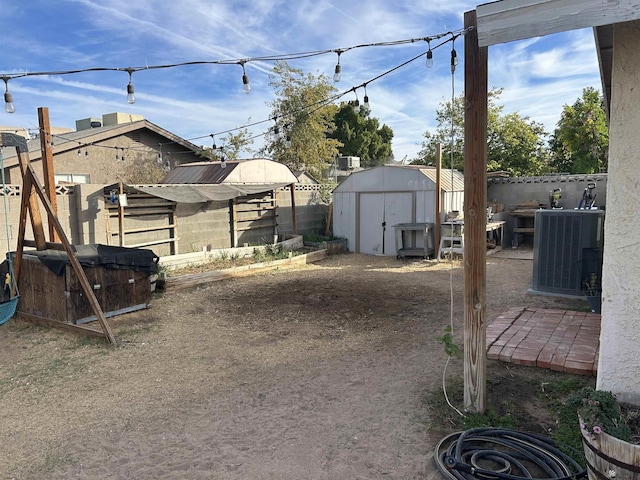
<point x="591" y="285"/>
<point x="599" y="411"/>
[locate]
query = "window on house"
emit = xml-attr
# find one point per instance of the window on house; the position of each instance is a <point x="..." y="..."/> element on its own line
<point x="72" y="178"/>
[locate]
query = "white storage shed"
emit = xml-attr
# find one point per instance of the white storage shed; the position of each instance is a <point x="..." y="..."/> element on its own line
<point x="367" y="204"/>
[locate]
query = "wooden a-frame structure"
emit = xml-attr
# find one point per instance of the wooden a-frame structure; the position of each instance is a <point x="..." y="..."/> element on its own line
<point x="31" y="192"/>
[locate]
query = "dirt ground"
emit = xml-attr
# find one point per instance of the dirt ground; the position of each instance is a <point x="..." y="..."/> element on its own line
<point x="318" y="372"/>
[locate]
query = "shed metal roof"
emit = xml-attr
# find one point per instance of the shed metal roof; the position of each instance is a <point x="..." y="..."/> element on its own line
<point x="200" y="193"/>
<point x="450" y="180"/>
<point x="258" y="171"/>
<point x="200" y="172"/>
<point x="209" y="181"/>
<point x="403" y="177"/>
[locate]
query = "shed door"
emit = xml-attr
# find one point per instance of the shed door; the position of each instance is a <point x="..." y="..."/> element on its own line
<point x="379" y="212"/>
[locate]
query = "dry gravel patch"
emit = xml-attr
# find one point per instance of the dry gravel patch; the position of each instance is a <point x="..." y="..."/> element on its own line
<point x="317" y="372"/>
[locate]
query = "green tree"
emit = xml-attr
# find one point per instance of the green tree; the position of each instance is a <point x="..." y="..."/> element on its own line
<point x="517" y="145"/>
<point x="230" y="146"/>
<point x="514" y="143"/>
<point x="449" y="133"/>
<point x="362" y="136"/>
<point x="141" y="167"/>
<point x="303" y="117"/>
<point x="580" y="142"/>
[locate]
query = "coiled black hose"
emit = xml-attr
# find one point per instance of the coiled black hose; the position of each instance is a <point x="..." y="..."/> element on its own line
<point x="496" y="453"/>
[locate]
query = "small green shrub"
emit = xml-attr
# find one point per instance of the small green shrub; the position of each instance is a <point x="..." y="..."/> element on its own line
<point x="316" y="238"/>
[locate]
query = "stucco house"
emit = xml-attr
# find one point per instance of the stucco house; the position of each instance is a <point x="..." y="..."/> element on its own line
<point x="120" y="147"/>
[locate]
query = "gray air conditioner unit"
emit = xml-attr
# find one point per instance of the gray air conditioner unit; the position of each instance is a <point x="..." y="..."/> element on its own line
<point x="562" y="239"/>
<point x="348" y="163"/>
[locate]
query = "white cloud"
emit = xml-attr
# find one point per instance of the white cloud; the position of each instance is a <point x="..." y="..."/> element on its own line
<point x="198" y="100"/>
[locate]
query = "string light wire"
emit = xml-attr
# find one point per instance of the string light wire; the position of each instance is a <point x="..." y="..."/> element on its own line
<point x="268" y="58"/>
<point x="308" y="109"/>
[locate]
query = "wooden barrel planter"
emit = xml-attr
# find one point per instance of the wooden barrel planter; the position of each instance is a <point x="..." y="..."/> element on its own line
<point x="610" y="458"/>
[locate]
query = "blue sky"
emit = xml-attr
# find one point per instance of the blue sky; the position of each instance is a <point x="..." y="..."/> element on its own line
<point x="539" y="76"/>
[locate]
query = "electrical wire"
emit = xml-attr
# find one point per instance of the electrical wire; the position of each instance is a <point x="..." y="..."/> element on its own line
<point x="324" y="102"/>
<point x="451" y="34"/>
<point x="504" y="454"/>
<point x="307" y="109"/>
<point x="235" y="61"/>
<point x="451" y="206"/>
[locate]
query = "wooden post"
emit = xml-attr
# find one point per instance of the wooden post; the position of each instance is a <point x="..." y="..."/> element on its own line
<point x="47" y="166"/>
<point x="475" y="217"/>
<point x="25" y="203"/>
<point x="30" y="201"/>
<point x="234" y="221"/>
<point x="438" y="195"/>
<point x="173" y="232"/>
<point x="120" y="215"/>
<point x="327" y="229"/>
<point x="293" y="208"/>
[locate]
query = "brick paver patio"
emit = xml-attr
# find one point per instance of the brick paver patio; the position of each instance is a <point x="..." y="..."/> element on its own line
<point x="561" y="340"/>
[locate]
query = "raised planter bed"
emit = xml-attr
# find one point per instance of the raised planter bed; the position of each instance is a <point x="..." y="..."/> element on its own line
<point x="184" y="282"/>
<point x="173" y="262"/>
<point x="332" y="246"/>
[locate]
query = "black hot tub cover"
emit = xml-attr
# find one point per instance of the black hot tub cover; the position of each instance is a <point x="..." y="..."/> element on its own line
<point x="98" y="255"/>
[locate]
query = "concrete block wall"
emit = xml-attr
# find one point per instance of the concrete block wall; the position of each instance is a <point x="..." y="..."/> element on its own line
<point x="89" y="215"/>
<point x="203" y="225"/>
<point x="512" y="191"/>
<point x="66" y="205"/>
<point x="82" y="213"/>
<point x="311" y="213"/>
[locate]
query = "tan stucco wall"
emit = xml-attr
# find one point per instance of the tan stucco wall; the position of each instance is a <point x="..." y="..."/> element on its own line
<point x="619" y="361"/>
<point x="103" y="160"/>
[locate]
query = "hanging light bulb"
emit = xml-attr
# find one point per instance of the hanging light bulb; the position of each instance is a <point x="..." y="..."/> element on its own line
<point x="9" y="107"/>
<point x="429" y="55"/>
<point x="366" y="98"/>
<point x="338" y="70"/>
<point x="356" y="104"/>
<point x="287" y="140"/>
<point x="214" y="147"/>
<point x="79" y="152"/>
<point x="131" y="97"/>
<point x="246" y="85"/>
<point x="454" y="58"/>
<point x="223" y="162"/>
<point x="276" y="127"/>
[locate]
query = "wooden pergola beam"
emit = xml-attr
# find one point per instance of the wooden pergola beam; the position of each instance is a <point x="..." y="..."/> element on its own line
<point x="509" y="20"/>
<point x="475" y="216"/>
